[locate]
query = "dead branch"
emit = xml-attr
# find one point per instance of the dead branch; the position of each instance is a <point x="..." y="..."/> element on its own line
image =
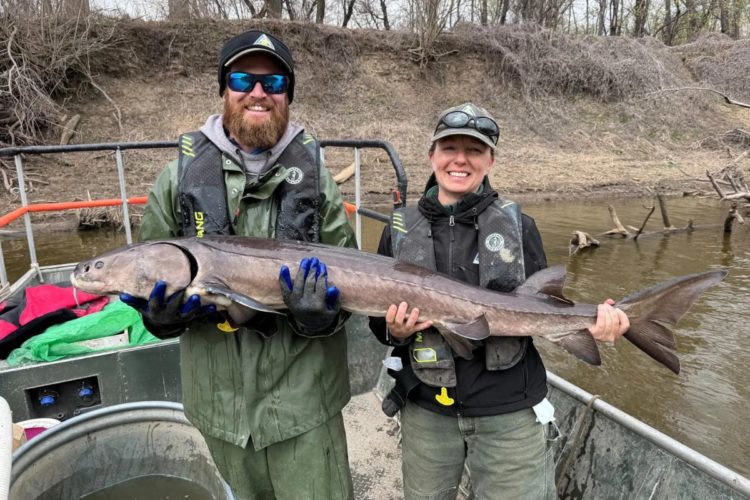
<point x="732" y="216"/>
<point x="345" y="174"/>
<point x="618" y="229"/>
<point x="69" y="129"/>
<point x="714" y="184"/>
<point x="735" y="180"/>
<point x="6" y="181"/>
<point x="117" y="114"/>
<point x="581" y="241"/>
<point x="44" y="55"/>
<point x="645" y="221"/>
<point x="726" y="98"/>
<point x="663" y="210"/>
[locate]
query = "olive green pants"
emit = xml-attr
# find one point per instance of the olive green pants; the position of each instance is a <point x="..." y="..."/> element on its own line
<point x="314" y="465"/>
<point x="507" y="456"/>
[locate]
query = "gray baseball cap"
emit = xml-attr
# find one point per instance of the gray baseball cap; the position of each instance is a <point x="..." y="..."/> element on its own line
<point x="468" y="119"/>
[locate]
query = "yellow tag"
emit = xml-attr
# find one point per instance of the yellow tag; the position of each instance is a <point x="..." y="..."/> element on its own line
<point x="226" y="327"/>
<point x="443" y="398"/>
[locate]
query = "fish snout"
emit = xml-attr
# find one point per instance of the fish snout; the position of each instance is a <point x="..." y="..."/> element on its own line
<point x="86" y="271"/>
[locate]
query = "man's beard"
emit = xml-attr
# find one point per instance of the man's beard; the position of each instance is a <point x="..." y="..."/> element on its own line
<point x="263" y="135"/>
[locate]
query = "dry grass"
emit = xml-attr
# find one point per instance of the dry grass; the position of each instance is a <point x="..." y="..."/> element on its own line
<point x="576" y="115"/>
<point x="45" y="58"/>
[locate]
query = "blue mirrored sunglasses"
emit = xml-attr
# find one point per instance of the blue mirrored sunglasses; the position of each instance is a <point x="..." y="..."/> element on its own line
<point x="245" y="82"/>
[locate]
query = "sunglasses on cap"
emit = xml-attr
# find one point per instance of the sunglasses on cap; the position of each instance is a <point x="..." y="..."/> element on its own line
<point x="245" y="82"/>
<point x="460" y="119"/>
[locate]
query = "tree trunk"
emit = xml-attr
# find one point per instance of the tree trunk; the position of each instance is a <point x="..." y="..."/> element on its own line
<point x="600" y="29"/>
<point x="668" y="22"/>
<point x="320" y="12"/>
<point x="640" y="13"/>
<point x="384" y="8"/>
<point x="504" y="13"/>
<point x="723" y="16"/>
<point x="290" y="10"/>
<point x="483" y="13"/>
<point x="738" y="7"/>
<point x="348" y="10"/>
<point x="274" y="8"/>
<point x="614" y="18"/>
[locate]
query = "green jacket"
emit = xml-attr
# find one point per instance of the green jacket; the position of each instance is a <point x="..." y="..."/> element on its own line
<point x="240" y="386"/>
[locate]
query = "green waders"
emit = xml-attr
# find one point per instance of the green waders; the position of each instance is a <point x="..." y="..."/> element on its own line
<point x="311" y="466"/>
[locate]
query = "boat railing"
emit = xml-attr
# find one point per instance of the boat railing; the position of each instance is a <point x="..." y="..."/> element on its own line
<point x="17" y="153"/>
<point x="675" y="448"/>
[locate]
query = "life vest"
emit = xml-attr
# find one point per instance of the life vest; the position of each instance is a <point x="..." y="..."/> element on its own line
<point x="203" y="192"/>
<point x="500" y="256"/>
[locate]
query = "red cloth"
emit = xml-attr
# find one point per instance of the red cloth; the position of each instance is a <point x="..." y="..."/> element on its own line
<point x="6" y="328"/>
<point x="44" y="299"/>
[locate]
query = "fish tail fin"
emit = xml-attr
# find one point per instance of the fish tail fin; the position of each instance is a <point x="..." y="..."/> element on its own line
<point x="654" y="311"/>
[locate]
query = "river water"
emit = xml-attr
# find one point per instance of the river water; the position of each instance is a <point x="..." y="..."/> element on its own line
<point x="704" y="406"/>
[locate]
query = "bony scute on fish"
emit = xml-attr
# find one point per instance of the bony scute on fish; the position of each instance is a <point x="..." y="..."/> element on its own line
<point x="242" y="272"/>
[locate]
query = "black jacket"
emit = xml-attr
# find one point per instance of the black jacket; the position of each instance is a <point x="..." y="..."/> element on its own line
<point x="479" y="392"/>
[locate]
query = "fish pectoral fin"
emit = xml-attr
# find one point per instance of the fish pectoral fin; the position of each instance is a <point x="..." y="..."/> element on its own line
<point x="582" y="345"/>
<point x="240" y="299"/>
<point x="461" y="347"/>
<point x="476" y="330"/>
<point x="547" y="282"/>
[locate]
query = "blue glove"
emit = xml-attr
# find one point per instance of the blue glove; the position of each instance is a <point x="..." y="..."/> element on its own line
<point x="312" y="303"/>
<point x="168" y="312"/>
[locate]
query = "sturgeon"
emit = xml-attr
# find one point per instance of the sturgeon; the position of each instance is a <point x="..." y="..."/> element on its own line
<point x="232" y="271"/>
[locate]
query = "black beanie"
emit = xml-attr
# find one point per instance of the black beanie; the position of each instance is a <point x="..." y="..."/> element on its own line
<point x="248" y="43"/>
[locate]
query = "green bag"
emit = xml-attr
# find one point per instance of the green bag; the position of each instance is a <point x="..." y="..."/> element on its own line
<point x="69" y="338"/>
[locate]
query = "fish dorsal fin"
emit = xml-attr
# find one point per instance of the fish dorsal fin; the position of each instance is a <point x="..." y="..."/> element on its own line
<point x="477" y="329"/>
<point x="240" y="298"/>
<point x="582" y="345"/>
<point x="549" y="282"/>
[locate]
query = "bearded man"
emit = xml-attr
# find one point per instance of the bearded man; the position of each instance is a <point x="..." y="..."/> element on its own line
<point x="266" y="392"/>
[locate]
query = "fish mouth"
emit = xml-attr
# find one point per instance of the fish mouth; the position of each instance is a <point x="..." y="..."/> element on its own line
<point x="81" y="283"/>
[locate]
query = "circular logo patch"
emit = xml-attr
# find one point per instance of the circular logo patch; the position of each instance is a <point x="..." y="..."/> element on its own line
<point x="494" y="242"/>
<point x="294" y="175"/>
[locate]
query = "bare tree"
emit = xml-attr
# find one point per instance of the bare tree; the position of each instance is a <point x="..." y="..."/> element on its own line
<point x="384" y="10"/>
<point x="667" y="28"/>
<point x="640" y="15"/>
<point x="430" y="20"/>
<point x="348" y="10"/>
<point x="375" y="16"/>
<point x="600" y="20"/>
<point x="614" y="17"/>
<point x="273" y="8"/>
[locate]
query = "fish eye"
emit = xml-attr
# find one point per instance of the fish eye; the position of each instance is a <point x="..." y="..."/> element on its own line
<point x="99" y="264"/>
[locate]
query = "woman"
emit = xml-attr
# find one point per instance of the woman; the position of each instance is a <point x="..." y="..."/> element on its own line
<point x="489" y="412"/>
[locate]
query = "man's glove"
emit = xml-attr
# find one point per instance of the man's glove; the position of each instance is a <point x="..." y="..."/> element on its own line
<point x="165" y="317"/>
<point x="313" y="305"/>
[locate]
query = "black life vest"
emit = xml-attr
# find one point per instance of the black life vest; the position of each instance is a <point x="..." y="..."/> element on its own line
<point x="500" y="255"/>
<point x="203" y="192"/>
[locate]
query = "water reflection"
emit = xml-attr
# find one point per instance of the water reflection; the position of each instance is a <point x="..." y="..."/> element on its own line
<point x="700" y="407"/>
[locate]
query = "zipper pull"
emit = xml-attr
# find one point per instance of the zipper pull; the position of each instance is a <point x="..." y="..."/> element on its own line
<point x="451" y="221"/>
